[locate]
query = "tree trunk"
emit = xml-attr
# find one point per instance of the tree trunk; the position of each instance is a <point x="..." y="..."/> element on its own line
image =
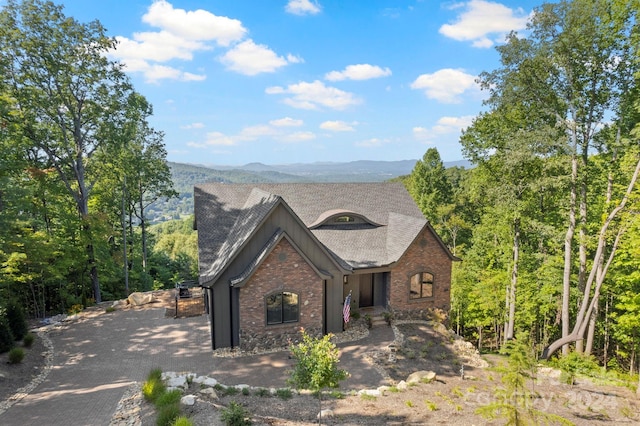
<point x="514" y="280"/>
<point x="568" y="242"/>
<point x="143" y="236"/>
<point x="592" y="329"/>
<point x="597" y="274"/>
<point x="125" y="260"/>
<point x="582" y="234"/>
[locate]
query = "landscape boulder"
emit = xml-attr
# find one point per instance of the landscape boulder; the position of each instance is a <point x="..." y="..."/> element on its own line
<point x="421" y="376"/>
<point x="139" y="299"/>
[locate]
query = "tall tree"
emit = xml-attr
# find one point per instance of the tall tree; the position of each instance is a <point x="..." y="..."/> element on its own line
<point x="66" y="90"/>
<point x="428" y="184"/>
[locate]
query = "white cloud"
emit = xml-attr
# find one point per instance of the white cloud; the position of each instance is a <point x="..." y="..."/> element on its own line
<point x="337" y="126"/>
<point x="252" y="133"/>
<point x="483" y="23"/>
<point x="445" y="85"/>
<point x="181" y="34"/>
<point x="313" y="95"/>
<point x="358" y="72"/>
<point x="192" y="126"/>
<point x="194" y="25"/>
<point x="286" y="122"/>
<point x="154" y="72"/>
<point x="157" y="46"/>
<point x="217" y="139"/>
<point x="249" y="58"/>
<point x="294" y="59"/>
<point x="298" y="137"/>
<point x="303" y="7"/>
<point x="444" y="126"/>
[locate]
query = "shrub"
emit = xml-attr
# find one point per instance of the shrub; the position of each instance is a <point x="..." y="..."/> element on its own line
<point x="235" y="415"/>
<point x="262" y="392"/>
<point x="28" y="340"/>
<point x="110" y="309"/>
<point x="6" y="336"/>
<point x="17" y="321"/>
<point x="75" y="309"/>
<point x="284" y="393"/>
<point x="156" y="374"/>
<point x="168" y="414"/>
<point x="245" y="391"/>
<point x="16" y="355"/>
<point x="168" y="398"/>
<point x="152" y="389"/>
<point x="182" y="421"/>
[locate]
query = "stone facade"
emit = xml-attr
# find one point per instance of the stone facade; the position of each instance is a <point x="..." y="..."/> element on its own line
<point x="284" y="269"/>
<point x="424" y="255"/>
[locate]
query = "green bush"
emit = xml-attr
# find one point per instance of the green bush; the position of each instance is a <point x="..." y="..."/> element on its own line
<point x="168" y="414"/>
<point x="182" y="421"/>
<point x="6" y="336"/>
<point x="155" y="374"/>
<point x="152" y="389"/>
<point x="28" y="340"/>
<point x="17" y="321"/>
<point x="235" y="415"/>
<point x="168" y="398"/>
<point x="16" y="355"/>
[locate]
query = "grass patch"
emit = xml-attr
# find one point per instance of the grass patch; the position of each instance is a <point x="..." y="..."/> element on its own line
<point x="168" y="398"/>
<point x="28" y="340"/>
<point x="408" y="404"/>
<point x="262" y="392"/>
<point x="16" y="355"/>
<point x="431" y="406"/>
<point x="284" y="393"/>
<point x="182" y="421"/>
<point x="230" y="391"/>
<point x="168" y="414"/>
<point x="393" y="389"/>
<point x="368" y="397"/>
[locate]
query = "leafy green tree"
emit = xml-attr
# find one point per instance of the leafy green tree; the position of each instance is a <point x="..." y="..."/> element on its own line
<point x="428" y="184"/>
<point x="514" y="402"/>
<point x="66" y="91"/>
<point x="316" y="365"/>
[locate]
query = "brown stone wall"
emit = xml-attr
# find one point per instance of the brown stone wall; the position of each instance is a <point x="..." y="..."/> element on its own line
<point x="424" y="255"/>
<point x="283" y="270"/>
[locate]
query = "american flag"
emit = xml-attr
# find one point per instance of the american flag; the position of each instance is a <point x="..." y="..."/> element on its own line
<point x="346" y="310"/>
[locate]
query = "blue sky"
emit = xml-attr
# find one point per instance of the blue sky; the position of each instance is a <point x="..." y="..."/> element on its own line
<point x="301" y="81"/>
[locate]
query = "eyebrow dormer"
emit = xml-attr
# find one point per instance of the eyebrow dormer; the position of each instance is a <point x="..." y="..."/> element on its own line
<point x="342" y="219"/>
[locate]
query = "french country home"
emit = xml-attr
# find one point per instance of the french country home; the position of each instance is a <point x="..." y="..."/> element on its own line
<point x="277" y="257"/>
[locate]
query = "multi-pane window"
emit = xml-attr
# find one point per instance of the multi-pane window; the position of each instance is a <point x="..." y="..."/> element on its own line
<point x="421" y="285"/>
<point x="282" y="307"/>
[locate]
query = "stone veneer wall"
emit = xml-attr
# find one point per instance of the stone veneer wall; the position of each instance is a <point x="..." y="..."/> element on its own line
<point x="283" y="270"/>
<point x="424" y="255"/>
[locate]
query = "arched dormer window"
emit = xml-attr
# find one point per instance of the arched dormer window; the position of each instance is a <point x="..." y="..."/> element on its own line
<point x="282" y="307"/>
<point x="342" y="219"/>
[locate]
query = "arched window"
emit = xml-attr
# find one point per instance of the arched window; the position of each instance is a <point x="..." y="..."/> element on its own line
<point x="282" y="307"/>
<point x="421" y="285"/>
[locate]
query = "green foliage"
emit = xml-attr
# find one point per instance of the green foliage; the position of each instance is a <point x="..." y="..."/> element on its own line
<point x="28" y="340"/>
<point x="168" y="398"/>
<point x="6" y="336"/>
<point x="16" y="355"/>
<point x="235" y="415"/>
<point x="168" y="414"/>
<point x="153" y="387"/>
<point x="284" y="393"/>
<point x="17" y="321"/>
<point x="262" y="392"/>
<point x="315" y="364"/>
<point x="576" y="363"/>
<point x="182" y="421"/>
<point x="514" y="402"/>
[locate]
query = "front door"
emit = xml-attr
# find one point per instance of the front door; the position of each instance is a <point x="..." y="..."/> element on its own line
<point x="366" y="291"/>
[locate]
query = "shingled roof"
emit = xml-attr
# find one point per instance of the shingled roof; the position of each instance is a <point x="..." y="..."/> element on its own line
<point x="228" y="214"/>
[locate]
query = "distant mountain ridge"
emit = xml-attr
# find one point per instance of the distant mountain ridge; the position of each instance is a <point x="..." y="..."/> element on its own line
<point x="185" y="176"/>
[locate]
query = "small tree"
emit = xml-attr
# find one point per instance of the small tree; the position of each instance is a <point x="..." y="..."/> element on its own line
<point x="17" y="321"/>
<point x="513" y="401"/>
<point x="316" y="365"/>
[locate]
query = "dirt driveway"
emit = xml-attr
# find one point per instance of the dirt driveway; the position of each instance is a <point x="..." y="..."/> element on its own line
<point x="99" y="355"/>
